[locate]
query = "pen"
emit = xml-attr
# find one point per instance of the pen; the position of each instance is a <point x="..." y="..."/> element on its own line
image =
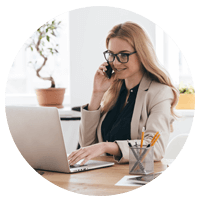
<point x="143" y="129"/>
<point x="129" y="144"/>
<point x="146" y="151"/>
<point x="155" y="140"/>
<point x="136" y="156"/>
<point x="136" y="146"/>
<point x="152" y="144"/>
<point x="152" y="141"/>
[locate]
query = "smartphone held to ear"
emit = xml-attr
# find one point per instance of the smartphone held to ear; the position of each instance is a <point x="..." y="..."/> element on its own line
<point x="108" y="73"/>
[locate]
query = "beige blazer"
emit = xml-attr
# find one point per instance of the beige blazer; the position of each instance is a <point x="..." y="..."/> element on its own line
<point x="151" y="110"/>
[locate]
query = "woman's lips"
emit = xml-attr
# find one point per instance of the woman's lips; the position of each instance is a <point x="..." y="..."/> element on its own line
<point x="119" y="70"/>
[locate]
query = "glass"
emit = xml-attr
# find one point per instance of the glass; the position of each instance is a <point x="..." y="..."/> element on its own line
<point x="141" y="160"/>
<point x="121" y="57"/>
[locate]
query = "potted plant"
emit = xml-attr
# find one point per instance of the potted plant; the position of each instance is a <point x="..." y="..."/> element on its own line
<point x="187" y="97"/>
<point x="43" y="41"/>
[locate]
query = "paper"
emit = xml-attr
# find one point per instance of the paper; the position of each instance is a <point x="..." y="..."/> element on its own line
<point x="132" y="180"/>
<point x="126" y="182"/>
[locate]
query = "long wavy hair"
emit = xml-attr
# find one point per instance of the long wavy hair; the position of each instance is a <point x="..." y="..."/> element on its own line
<point x="139" y="40"/>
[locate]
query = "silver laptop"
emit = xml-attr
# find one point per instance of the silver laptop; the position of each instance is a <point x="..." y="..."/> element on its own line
<point x="38" y="135"/>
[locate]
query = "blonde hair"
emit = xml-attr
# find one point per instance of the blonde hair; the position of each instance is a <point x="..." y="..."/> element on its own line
<point x="139" y="40"/>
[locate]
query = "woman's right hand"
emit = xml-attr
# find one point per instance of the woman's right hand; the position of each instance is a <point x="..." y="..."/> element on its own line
<point x="101" y="82"/>
<point x="100" y="86"/>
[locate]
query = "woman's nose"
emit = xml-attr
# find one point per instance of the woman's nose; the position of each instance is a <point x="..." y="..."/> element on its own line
<point x="116" y="62"/>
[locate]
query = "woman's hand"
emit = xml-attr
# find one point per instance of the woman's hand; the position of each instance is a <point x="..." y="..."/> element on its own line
<point x="86" y="153"/>
<point x="100" y="86"/>
<point x="92" y="151"/>
<point x="101" y="82"/>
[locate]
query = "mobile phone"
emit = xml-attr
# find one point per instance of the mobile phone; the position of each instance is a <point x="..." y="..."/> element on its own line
<point x="109" y="71"/>
<point x="144" y="179"/>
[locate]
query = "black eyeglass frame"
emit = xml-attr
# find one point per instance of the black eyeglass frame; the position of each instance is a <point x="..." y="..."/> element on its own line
<point x="116" y="55"/>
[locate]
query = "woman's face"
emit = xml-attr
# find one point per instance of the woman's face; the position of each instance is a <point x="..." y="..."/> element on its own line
<point x="130" y="70"/>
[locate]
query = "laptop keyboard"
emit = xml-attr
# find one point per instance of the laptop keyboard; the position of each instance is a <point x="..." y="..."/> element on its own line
<point x="77" y="165"/>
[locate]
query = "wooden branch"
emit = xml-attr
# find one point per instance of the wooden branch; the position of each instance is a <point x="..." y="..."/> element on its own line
<point x="45" y="60"/>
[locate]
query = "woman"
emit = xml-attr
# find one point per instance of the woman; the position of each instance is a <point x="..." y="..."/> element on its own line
<point x="138" y="94"/>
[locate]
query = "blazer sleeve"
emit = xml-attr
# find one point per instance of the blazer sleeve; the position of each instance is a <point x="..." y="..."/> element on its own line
<point x="88" y="126"/>
<point x="159" y="119"/>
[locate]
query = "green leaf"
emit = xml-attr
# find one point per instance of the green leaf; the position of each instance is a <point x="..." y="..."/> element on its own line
<point x="47" y="30"/>
<point x="53" y="33"/>
<point x="48" y="38"/>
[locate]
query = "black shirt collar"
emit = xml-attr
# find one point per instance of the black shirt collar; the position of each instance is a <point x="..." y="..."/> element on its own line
<point x="123" y="88"/>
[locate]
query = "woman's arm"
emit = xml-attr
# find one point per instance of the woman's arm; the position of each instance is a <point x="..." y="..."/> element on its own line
<point x="90" y="117"/>
<point x="112" y="148"/>
<point x="92" y="151"/>
<point x="95" y="101"/>
<point x="100" y="86"/>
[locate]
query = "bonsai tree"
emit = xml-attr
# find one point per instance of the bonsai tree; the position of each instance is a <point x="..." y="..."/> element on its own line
<point x="43" y="41"/>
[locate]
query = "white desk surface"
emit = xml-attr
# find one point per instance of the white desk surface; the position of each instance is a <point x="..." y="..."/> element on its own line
<point x="66" y="111"/>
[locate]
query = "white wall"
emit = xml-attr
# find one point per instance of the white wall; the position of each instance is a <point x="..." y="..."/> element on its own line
<point x="88" y="30"/>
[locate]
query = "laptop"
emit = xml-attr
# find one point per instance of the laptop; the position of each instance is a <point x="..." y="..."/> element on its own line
<point x="38" y="135"/>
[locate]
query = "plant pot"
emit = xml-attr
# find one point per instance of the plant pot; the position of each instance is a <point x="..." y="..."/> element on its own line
<point x="52" y="97"/>
<point x="186" y="101"/>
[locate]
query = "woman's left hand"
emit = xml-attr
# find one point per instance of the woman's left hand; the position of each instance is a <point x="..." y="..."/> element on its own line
<point x="86" y="153"/>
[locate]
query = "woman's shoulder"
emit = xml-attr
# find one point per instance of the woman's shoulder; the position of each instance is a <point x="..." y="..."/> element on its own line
<point x="160" y="90"/>
<point x="159" y="86"/>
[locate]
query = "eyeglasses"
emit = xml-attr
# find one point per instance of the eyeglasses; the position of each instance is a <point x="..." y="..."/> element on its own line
<point x="121" y="57"/>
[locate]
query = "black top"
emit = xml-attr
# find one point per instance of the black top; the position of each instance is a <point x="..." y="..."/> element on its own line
<point x="116" y="125"/>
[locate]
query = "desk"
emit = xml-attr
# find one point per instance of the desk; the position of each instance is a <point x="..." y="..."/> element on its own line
<point x="96" y="182"/>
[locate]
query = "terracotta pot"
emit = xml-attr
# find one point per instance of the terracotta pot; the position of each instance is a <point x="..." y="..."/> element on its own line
<point x="52" y="97"/>
<point x="186" y="101"/>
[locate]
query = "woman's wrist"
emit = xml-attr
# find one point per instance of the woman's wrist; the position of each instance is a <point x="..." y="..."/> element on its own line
<point x="95" y="100"/>
<point x="98" y="93"/>
<point x="111" y="148"/>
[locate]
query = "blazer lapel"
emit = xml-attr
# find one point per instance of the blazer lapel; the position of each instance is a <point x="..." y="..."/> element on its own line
<point x="142" y="90"/>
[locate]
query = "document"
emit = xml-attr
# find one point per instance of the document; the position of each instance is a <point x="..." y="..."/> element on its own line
<point x="138" y="180"/>
<point x="125" y="181"/>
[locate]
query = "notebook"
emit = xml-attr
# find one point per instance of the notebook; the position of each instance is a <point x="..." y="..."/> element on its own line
<point x="38" y="135"/>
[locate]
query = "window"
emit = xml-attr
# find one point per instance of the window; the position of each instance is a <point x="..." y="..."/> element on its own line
<point x="22" y="79"/>
<point x="172" y="58"/>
